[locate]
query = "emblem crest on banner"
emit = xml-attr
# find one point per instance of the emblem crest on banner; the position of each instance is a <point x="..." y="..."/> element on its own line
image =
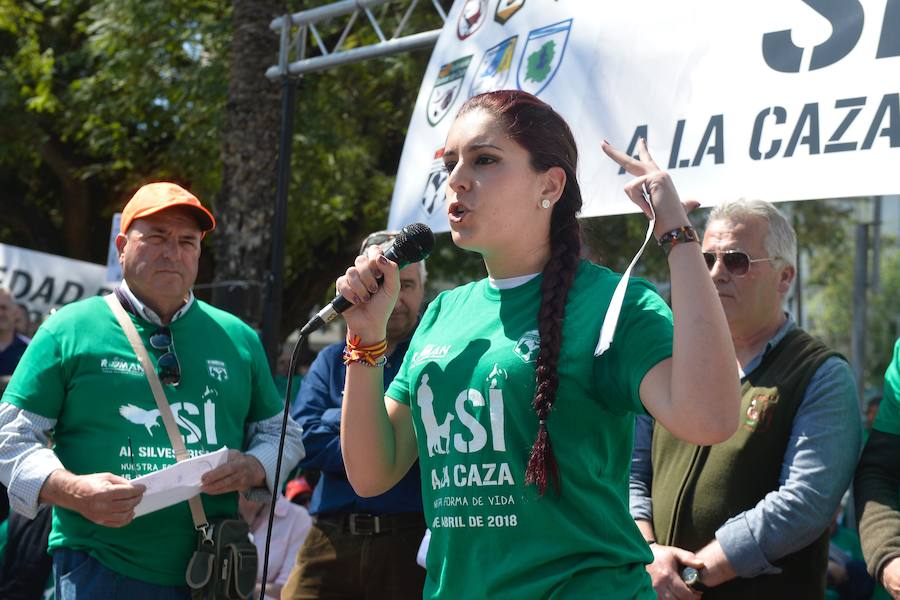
<point x="471" y="18"/>
<point x="493" y="71"/>
<point x="446" y="89"/>
<point x="506" y="9"/>
<point x="434" y="195"/>
<point x="543" y="53"/>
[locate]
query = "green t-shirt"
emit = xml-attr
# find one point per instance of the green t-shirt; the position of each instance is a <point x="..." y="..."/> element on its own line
<point x="888" y="418"/>
<point x="281" y="382"/>
<point x="81" y="370"/>
<point x="468" y="378"/>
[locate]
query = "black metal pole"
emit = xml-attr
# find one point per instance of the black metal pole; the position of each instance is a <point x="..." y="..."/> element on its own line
<point x="798" y="279"/>
<point x="876" y="244"/>
<point x="860" y="305"/>
<point x="272" y="312"/>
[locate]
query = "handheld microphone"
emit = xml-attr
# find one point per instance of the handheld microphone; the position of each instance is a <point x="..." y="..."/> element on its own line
<point x="414" y="243"/>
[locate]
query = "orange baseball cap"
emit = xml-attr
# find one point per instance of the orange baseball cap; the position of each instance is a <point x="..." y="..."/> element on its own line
<point x="297" y="486"/>
<point x="161" y="195"/>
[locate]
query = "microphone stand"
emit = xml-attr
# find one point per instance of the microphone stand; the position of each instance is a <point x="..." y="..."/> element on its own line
<point x="295" y="355"/>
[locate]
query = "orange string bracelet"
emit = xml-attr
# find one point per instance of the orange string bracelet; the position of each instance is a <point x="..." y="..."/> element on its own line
<point x="370" y="356"/>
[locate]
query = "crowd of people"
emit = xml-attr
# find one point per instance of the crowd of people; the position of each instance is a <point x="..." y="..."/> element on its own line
<point x="486" y="447"/>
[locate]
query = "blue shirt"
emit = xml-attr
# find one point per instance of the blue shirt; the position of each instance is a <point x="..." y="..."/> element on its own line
<point x="9" y="356"/>
<point x="817" y="468"/>
<point x="318" y="410"/>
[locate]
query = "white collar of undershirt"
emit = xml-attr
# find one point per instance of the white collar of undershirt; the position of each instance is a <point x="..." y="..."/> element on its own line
<point x="147" y="313"/>
<point x="511" y="282"/>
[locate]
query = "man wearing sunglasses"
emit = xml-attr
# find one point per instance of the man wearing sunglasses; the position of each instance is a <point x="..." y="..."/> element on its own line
<point x="748" y="518"/>
<point x="81" y="379"/>
<point x="358" y="547"/>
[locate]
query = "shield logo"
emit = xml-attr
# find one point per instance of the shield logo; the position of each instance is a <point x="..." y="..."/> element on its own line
<point x="472" y="17"/>
<point x="528" y="346"/>
<point x="495" y="66"/>
<point x="543" y="53"/>
<point x="446" y="89"/>
<point x="506" y="9"/>
<point x="434" y="195"/>
<point x="760" y="412"/>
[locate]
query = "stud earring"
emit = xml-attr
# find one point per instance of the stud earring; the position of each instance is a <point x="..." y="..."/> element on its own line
<point x="545" y="203"/>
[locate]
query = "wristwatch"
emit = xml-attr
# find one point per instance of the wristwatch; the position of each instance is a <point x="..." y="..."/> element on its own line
<point x="691" y="577"/>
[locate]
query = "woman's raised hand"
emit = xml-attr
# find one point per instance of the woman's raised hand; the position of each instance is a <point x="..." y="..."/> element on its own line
<point x="372" y="303"/>
<point x="670" y="212"/>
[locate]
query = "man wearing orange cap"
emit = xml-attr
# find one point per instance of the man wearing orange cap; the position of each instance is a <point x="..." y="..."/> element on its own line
<point x="81" y="379"/>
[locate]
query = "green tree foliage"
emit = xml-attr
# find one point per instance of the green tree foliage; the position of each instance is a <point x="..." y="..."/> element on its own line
<point x="96" y="98"/>
<point x="349" y="132"/>
<point x="830" y="288"/>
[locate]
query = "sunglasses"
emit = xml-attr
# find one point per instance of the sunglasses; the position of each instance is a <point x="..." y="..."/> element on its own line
<point x="167" y="366"/>
<point x="736" y="262"/>
<point x="376" y="239"/>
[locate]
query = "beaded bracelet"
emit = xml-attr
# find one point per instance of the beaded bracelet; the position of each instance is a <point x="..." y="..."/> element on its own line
<point x="370" y="356"/>
<point x="670" y="239"/>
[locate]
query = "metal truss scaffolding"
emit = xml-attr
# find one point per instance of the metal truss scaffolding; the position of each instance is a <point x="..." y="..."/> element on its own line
<point x="303" y="49"/>
<point x="299" y="35"/>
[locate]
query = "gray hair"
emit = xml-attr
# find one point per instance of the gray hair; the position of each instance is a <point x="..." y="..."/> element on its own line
<point x="384" y="239"/>
<point x="423" y="272"/>
<point x="780" y="241"/>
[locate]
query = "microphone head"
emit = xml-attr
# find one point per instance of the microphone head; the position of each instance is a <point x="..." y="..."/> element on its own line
<point x="414" y="243"/>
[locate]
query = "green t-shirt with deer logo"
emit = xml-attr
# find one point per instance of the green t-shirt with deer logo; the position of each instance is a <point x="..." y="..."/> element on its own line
<point x="81" y="370"/>
<point x="468" y="378"/>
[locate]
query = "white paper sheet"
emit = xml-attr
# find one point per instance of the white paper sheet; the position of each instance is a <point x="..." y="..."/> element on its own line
<point x="608" y="329"/>
<point x="423" y="549"/>
<point x="176" y="483"/>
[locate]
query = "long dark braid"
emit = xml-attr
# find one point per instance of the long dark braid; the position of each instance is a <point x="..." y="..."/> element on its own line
<point x="559" y="273"/>
<point x="539" y="129"/>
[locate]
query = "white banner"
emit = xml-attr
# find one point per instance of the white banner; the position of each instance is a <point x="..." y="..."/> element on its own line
<point x="773" y="99"/>
<point x="113" y="268"/>
<point x="43" y="281"/>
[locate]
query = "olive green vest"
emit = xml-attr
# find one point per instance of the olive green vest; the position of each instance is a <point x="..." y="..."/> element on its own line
<point x="697" y="488"/>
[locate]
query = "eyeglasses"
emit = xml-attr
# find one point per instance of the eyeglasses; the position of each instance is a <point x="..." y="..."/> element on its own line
<point x="376" y="239"/>
<point x="736" y="262"/>
<point x="167" y="366"/>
